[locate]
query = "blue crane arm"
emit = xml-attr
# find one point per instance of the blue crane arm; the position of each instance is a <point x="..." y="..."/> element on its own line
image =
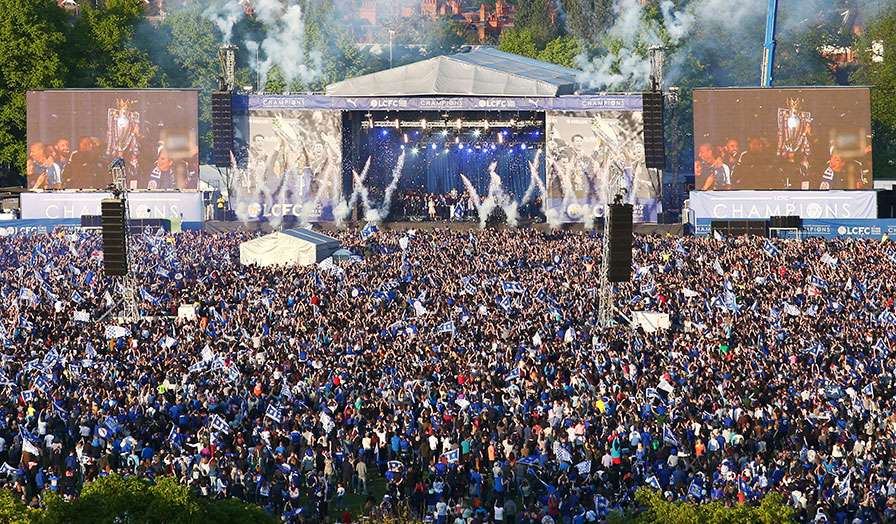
<point x="768" y="54"/>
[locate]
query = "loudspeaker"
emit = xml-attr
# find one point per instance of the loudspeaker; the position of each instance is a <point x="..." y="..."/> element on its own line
<point x="115" y="238"/>
<point x="784" y="222"/>
<point x="740" y="227"/>
<point x="620" y="236"/>
<point x="222" y="128"/>
<point x="654" y="142"/>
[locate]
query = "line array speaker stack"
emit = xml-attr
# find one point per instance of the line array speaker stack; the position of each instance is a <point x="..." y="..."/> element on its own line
<point x="620" y="236"/>
<point x="115" y="258"/>
<point x="222" y="128"/>
<point x="784" y="222"/>
<point x="654" y="142"/>
<point x="740" y="227"/>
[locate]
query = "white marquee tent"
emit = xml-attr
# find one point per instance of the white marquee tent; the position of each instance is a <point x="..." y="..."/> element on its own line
<point x="294" y="246"/>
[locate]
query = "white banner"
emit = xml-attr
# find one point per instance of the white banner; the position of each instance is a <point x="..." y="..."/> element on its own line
<point x="739" y="205"/>
<point x="62" y="204"/>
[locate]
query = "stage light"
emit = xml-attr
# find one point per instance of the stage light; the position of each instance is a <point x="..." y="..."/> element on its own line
<point x="460" y="146"/>
<point x="476" y="132"/>
<point x="423" y="123"/>
<point x="486" y="125"/>
<point x="396" y="123"/>
<point x="494" y="146"/>
<point x="433" y="146"/>
<point x="523" y="147"/>
<point x="512" y="122"/>
<point x="401" y="146"/>
<point x="459" y="124"/>
<point x="385" y="132"/>
<point x="444" y="132"/>
<point x="501" y="138"/>
<point x="405" y="138"/>
<point x="415" y="151"/>
<point x="536" y="133"/>
<point x="457" y="140"/>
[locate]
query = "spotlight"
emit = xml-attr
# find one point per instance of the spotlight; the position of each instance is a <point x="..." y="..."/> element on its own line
<point x="444" y="132"/>
<point x="486" y="125"/>
<point x="423" y="124"/>
<point x="523" y="147"/>
<point x="501" y="138"/>
<point x="476" y="132"/>
<point x="459" y="124"/>
<point x="384" y="132"/>
<point x="433" y="147"/>
<point x="460" y="146"/>
<point x="396" y="123"/>
<point x="414" y="151"/>
<point x="457" y="140"/>
<point x="494" y="146"/>
<point x="405" y="138"/>
<point x="401" y="146"/>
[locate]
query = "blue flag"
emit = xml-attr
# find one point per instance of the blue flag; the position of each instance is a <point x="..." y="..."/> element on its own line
<point x="512" y="287"/>
<point x="670" y="437"/>
<point x="695" y="490"/>
<point x="447" y="327"/>
<point x="653" y="482"/>
<point x="459" y="211"/>
<point x="452" y="456"/>
<point x="369" y="229"/>
<point x="274" y="413"/>
<point x="770" y="249"/>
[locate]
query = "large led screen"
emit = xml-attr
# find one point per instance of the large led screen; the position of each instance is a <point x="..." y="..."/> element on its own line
<point x="808" y="138"/>
<point x="293" y="163"/>
<point x="593" y="157"/>
<point x="74" y="135"/>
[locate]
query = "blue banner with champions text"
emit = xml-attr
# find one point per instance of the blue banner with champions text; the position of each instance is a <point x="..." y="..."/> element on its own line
<point x="824" y="228"/>
<point x="451" y="103"/>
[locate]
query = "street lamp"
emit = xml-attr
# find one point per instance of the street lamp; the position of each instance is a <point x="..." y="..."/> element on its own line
<point x="391" y="34"/>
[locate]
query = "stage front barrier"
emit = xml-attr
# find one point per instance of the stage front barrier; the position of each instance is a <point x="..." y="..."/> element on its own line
<point x="824" y="228"/>
<point x="186" y="207"/>
<point x="742" y="205"/>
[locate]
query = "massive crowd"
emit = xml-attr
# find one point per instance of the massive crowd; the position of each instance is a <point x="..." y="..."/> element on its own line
<point x="468" y="371"/>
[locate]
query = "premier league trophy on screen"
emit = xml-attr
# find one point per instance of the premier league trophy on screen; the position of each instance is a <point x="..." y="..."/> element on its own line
<point x="123" y="131"/>
<point x="794" y="128"/>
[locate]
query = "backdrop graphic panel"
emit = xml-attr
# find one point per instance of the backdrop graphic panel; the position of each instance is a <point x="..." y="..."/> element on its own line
<point x="594" y="155"/>
<point x="810" y="139"/>
<point x="291" y="162"/>
<point x="74" y="134"/>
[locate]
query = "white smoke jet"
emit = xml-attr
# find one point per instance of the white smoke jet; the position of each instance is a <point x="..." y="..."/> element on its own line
<point x="224" y="15"/>
<point x="534" y="181"/>
<point x="343" y="209"/>
<point x="376" y="216"/>
<point x="678" y="23"/>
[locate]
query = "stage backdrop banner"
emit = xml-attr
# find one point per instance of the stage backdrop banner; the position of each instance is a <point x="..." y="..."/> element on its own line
<point x="74" y="134"/>
<point x="763" y="204"/>
<point x="64" y="205"/>
<point x="291" y="163"/>
<point x="593" y="153"/>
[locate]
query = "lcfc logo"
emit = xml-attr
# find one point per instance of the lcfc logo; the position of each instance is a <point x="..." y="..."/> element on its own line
<point x="254" y="210"/>
<point x="841" y="230"/>
<point x="814" y="210"/>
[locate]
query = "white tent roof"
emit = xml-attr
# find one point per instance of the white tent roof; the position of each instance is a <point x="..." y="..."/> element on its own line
<point x="295" y="246"/>
<point x="483" y="72"/>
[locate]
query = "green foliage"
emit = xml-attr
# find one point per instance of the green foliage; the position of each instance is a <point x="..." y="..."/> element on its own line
<point x="880" y="71"/>
<point x="587" y="19"/>
<point x="534" y="16"/>
<point x="12" y="511"/>
<point x="771" y="510"/>
<point x="115" y="499"/>
<point x="518" y="41"/>
<point x="32" y="39"/>
<point x="561" y="51"/>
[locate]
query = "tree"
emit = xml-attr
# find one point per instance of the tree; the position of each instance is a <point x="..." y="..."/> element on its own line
<point x="587" y="19"/>
<point x="561" y="51"/>
<point x="657" y="510"/>
<point x="115" y="499"/>
<point x="32" y="40"/>
<point x="877" y="67"/>
<point x="12" y="511"/>
<point x="103" y="50"/>
<point x="517" y="41"/>
<point x="534" y="16"/>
